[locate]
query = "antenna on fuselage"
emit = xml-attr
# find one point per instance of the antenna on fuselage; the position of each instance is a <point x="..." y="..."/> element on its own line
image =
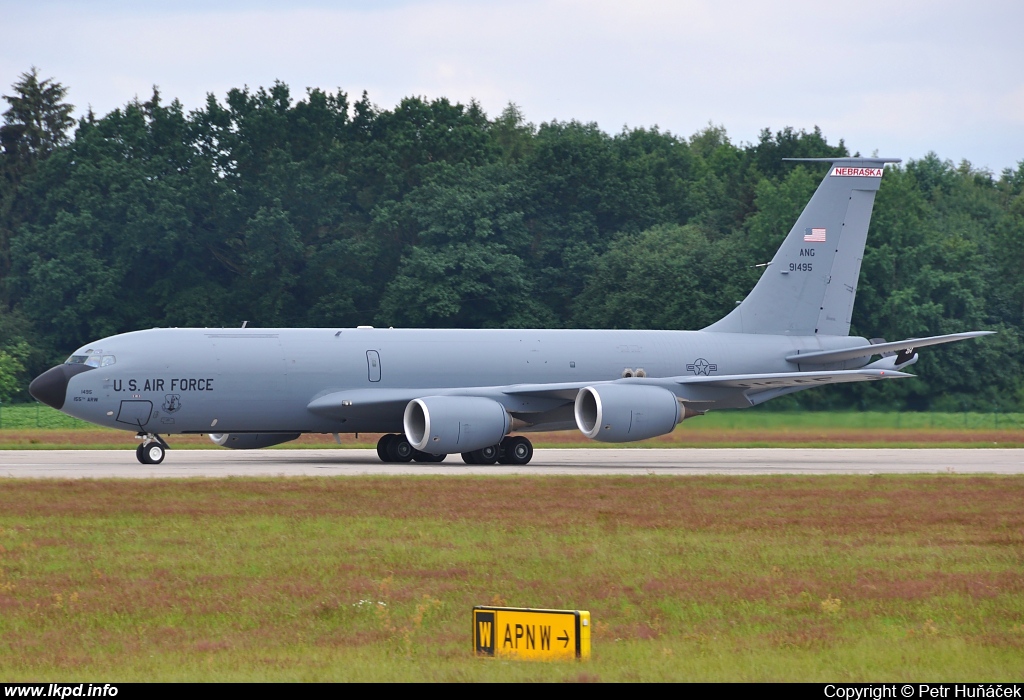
<point x="243" y="323"/>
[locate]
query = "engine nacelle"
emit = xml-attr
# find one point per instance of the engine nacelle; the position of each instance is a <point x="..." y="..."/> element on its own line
<point x="447" y="424"/>
<point x="251" y="441"/>
<point x="626" y="412"/>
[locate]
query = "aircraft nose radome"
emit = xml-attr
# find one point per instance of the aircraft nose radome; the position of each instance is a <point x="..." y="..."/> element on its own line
<point x="51" y="387"/>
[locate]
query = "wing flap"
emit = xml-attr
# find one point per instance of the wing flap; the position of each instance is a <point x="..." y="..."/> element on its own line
<point x="525" y="398"/>
<point x="564" y="390"/>
<point x="824" y="357"/>
<point x="339" y="402"/>
<point x="787" y="379"/>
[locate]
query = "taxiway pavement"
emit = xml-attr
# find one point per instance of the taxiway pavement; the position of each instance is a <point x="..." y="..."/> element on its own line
<point x="101" y="464"/>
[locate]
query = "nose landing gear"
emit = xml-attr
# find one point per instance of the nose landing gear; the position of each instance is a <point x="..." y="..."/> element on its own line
<point x="152" y="450"/>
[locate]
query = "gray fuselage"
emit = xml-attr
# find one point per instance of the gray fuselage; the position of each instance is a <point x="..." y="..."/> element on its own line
<point x="200" y="380"/>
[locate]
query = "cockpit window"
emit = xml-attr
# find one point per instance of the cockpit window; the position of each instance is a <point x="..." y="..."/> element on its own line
<point x="91" y="360"/>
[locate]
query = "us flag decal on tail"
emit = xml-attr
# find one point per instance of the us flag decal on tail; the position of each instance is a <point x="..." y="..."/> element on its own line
<point x="814" y="235"/>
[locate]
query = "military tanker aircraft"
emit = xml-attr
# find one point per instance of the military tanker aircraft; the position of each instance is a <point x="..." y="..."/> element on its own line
<point x="435" y="392"/>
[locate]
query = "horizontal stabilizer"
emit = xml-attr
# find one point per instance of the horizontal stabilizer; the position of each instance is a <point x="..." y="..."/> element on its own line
<point x="825" y="357"/>
<point x="779" y="380"/>
<point x="846" y="159"/>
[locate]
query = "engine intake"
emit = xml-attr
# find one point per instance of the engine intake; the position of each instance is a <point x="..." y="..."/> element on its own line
<point x="627" y="412"/>
<point x="447" y="424"/>
<point x="251" y="441"/>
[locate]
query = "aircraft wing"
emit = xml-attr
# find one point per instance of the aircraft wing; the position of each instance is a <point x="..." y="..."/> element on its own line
<point x="824" y="357"/>
<point x="542" y="397"/>
<point x="567" y="391"/>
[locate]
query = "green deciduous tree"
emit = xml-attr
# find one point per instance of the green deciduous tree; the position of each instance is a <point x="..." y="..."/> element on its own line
<point x="318" y="210"/>
<point x="35" y="124"/>
<point x="669" y="276"/>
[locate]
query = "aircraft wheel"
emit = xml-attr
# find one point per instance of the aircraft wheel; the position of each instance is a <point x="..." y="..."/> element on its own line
<point x="153" y="452"/>
<point x="140" y="454"/>
<point x="485" y="455"/>
<point x="399" y="449"/>
<point x="382" y="447"/>
<point x="519" y="451"/>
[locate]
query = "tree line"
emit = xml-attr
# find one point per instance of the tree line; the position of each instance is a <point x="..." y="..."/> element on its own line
<point x="326" y="211"/>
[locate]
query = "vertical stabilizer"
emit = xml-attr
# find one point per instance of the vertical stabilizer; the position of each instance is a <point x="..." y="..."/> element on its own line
<point x="810" y="284"/>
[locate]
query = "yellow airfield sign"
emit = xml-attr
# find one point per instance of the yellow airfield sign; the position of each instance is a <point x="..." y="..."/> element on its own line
<point x="529" y="633"/>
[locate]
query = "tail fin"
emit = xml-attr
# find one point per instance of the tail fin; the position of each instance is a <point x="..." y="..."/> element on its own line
<point x="810" y="284"/>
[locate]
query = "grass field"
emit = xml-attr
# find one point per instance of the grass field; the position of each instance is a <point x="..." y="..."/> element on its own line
<point x="898" y="578"/>
<point x="41" y="427"/>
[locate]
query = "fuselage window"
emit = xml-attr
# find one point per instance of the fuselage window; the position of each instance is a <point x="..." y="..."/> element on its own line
<point x="91" y="360"/>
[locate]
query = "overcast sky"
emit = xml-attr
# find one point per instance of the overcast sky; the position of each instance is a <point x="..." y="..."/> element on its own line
<point x="899" y="78"/>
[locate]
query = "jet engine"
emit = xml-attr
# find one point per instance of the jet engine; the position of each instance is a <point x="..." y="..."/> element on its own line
<point x="448" y="424"/>
<point x="251" y="441"/>
<point x="627" y="412"/>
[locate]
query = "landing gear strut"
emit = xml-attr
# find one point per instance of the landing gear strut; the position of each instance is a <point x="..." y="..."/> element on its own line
<point x="152" y="450"/>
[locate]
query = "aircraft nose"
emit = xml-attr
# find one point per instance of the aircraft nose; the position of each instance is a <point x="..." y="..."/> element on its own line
<point x="51" y="387"/>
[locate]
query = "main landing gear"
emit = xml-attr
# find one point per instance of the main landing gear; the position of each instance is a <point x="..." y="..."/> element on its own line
<point x="395" y="448"/>
<point x="511" y="450"/>
<point x="152" y="450"/>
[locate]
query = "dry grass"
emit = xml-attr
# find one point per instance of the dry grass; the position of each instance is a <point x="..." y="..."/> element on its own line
<point x="684" y="436"/>
<point x="754" y="578"/>
<point x="41" y="427"/>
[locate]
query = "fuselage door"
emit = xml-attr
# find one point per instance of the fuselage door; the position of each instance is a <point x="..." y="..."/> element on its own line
<point x="135" y="413"/>
<point x="373" y="365"/>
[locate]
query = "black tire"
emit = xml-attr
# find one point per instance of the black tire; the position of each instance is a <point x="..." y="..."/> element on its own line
<point x="469" y="457"/>
<point x="382" y="447"/>
<point x="399" y="449"/>
<point x="153" y="452"/>
<point x="485" y="455"/>
<point x="437" y="458"/>
<point x="519" y="450"/>
<point x="140" y="455"/>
